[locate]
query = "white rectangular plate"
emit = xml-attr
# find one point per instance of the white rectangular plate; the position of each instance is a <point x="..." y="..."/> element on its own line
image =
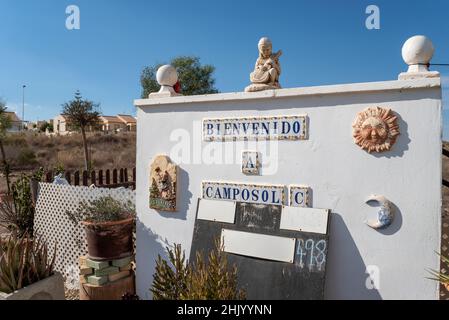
<point x="259" y="245"/>
<point x="305" y="219"/>
<point x="218" y="211"/>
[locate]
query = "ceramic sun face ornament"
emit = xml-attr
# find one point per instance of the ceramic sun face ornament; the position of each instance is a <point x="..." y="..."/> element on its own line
<point x="375" y="129"/>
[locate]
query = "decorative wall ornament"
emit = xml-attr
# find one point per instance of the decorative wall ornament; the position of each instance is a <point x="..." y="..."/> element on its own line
<point x="250" y="162"/>
<point x="375" y="129"/>
<point x="385" y="214"/>
<point x="267" y="70"/>
<point x="299" y="196"/>
<point x="256" y="128"/>
<point x="163" y="182"/>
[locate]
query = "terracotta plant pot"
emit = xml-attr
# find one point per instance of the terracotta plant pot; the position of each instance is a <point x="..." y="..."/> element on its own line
<point x="109" y="240"/>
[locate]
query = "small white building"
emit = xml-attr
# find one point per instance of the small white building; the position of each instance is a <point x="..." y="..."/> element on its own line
<point x="61" y="125"/>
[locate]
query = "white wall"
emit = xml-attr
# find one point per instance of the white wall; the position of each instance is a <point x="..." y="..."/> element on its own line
<point x="340" y="174"/>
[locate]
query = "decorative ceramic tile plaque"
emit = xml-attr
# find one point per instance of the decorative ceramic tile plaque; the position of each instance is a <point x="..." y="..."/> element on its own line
<point x="256" y="128"/>
<point x="299" y="196"/>
<point x="163" y="178"/>
<point x="250" y="162"/>
<point x="251" y="193"/>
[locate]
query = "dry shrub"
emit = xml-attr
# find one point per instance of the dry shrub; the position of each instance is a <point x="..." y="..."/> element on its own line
<point x="16" y="140"/>
<point x="108" y="151"/>
<point x="26" y="158"/>
<point x="69" y="159"/>
<point x="104" y="159"/>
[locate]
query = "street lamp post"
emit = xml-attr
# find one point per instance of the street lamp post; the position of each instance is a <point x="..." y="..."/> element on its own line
<point x="23" y="106"/>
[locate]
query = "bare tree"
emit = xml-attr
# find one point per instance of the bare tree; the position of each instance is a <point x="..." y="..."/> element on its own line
<point x="82" y="113"/>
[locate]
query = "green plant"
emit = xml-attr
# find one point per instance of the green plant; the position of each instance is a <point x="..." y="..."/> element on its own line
<point x="82" y="113"/>
<point x="214" y="279"/>
<point x="17" y="209"/>
<point x="44" y="126"/>
<point x="38" y="174"/>
<point x="439" y="276"/>
<point x="58" y="169"/>
<point x="8" y="217"/>
<point x="211" y="280"/>
<point x="24" y="261"/>
<point x="170" y="282"/>
<point x="26" y="157"/>
<point x="194" y="78"/>
<point x="103" y="209"/>
<point x="23" y="205"/>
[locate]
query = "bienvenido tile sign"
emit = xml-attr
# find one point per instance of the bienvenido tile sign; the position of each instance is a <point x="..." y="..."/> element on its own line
<point x="256" y="128"/>
<point x="252" y="193"/>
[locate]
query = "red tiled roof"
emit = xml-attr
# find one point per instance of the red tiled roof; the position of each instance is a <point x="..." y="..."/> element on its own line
<point x="126" y="118"/>
<point x="110" y="119"/>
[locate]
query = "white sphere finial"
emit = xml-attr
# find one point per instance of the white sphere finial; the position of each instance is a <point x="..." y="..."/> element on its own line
<point x="167" y="75"/>
<point x="417" y="53"/>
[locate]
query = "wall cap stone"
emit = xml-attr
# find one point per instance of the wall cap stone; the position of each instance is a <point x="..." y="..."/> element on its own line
<point x="365" y="87"/>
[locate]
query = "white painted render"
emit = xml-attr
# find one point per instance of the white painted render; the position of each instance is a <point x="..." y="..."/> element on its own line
<point x="340" y="176"/>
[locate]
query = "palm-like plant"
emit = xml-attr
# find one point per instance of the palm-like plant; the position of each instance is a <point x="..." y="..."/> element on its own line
<point x="209" y="278"/>
<point x="24" y="261"/>
<point x="439" y="276"/>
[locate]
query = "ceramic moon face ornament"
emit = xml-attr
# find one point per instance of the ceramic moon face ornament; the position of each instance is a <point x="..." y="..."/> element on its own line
<point x="375" y="129"/>
<point x="385" y="214"/>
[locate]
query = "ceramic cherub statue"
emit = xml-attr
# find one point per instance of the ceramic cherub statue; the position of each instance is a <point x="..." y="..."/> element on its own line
<point x="267" y="70"/>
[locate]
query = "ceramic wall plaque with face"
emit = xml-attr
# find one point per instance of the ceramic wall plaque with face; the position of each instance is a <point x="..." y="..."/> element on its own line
<point x="163" y="181"/>
<point x="375" y="129"/>
<point x="250" y="162"/>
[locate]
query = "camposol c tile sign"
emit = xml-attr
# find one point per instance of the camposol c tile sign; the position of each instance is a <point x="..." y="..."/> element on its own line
<point x="251" y="193"/>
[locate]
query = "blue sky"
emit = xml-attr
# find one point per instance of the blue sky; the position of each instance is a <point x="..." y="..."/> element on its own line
<point x="324" y="42"/>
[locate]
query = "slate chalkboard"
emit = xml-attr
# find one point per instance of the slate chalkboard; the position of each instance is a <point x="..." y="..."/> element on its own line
<point x="264" y="279"/>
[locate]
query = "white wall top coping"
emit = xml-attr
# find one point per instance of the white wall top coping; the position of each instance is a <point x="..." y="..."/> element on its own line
<point x="294" y="92"/>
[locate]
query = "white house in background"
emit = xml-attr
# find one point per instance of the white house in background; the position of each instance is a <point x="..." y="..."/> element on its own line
<point x="61" y="125"/>
<point x="129" y="121"/>
<point x="16" y="123"/>
<point x="121" y="122"/>
<point x="111" y="124"/>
